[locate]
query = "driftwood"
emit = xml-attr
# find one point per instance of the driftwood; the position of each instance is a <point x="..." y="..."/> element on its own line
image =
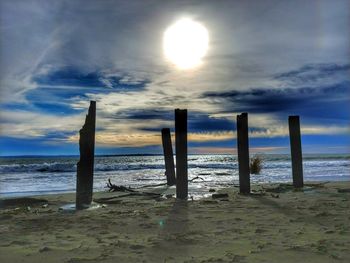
<point x="129" y="190"/>
<point x="132" y="191"/>
<point x="152" y="185"/>
<point x="118" y="188"/>
<point x="194" y="178"/>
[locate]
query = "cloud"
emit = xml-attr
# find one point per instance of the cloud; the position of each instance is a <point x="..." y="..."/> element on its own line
<point x="268" y="58"/>
<point x="316" y="75"/>
<point x="316" y="92"/>
<point x="233" y="150"/>
<point x="109" y="139"/>
<point x="73" y="77"/>
<point x="26" y="124"/>
<point x="277" y="100"/>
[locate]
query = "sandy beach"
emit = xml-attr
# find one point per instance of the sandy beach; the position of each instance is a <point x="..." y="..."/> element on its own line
<point x="273" y="224"/>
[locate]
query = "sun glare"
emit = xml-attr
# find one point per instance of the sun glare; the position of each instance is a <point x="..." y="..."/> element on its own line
<point x="185" y="43"/>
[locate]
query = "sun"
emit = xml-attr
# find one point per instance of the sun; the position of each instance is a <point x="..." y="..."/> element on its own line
<point x="185" y="43"/>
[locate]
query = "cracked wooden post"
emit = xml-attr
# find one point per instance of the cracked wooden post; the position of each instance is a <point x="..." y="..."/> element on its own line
<point x="181" y="153"/>
<point x="243" y="153"/>
<point x="85" y="166"/>
<point x="168" y="157"/>
<point x="296" y="153"/>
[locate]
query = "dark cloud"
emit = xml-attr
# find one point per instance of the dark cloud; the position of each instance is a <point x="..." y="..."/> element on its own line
<point x="317" y="102"/>
<point x="57" y="88"/>
<point x="70" y="76"/>
<point x="315" y="91"/>
<point x="145" y="114"/>
<point x="314" y="72"/>
<point x="59" y="135"/>
<point x="199" y="122"/>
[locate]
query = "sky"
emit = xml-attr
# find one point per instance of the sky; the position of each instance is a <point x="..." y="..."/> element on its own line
<point x="271" y="59"/>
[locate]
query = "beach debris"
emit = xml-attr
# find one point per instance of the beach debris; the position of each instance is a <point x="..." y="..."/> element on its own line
<point x="21" y="201"/>
<point x="136" y="247"/>
<point x="344" y="190"/>
<point x="211" y="190"/>
<point x="207" y="201"/>
<point x="118" y="188"/>
<point x="45" y="205"/>
<point x="323" y="213"/>
<point x="280" y="188"/>
<point x="151" y="185"/>
<point x="195" y="178"/>
<point x="130" y="192"/>
<point x="28" y="208"/>
<point x="275" y="195"/>
<point x="4" y="228"/>
<point x="44" y="249"/>
<point x="256" y="164"/>
<point x="216" y="196"/>
<point x="85" y="166"/>
<point x="104" y="206"/>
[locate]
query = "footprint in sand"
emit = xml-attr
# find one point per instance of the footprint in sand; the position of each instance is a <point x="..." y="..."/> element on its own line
<point x="136" y="247"/>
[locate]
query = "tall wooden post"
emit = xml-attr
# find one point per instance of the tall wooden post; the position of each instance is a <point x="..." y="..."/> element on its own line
<point x="296" y="153"/>
<point x="168" y="157"/>
<point x="243" y="153"/>
<point x="85" y="166"/>
<point x="181" y="153"/>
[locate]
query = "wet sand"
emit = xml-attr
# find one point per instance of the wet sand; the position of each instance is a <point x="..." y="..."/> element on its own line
<point x="273" y="224"/>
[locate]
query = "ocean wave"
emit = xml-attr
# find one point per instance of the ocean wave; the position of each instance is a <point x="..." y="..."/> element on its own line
<point x="72" y="167"/>
<point x="199" y="164"/>
<point x="38" y="167"/>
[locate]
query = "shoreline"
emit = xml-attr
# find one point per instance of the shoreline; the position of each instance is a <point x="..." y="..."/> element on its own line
<point x="72" y="191"/>
<point x="167" y="190"/>
<point x="273" y="224"/>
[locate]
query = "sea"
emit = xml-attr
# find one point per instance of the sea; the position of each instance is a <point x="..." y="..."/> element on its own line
<point x="26" y="176"/>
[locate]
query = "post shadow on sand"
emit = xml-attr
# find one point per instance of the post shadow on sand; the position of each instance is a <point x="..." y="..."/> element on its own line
<point x="168" y="157"/>
<point x="172" y="229"/>
<point x="85" y="166"/>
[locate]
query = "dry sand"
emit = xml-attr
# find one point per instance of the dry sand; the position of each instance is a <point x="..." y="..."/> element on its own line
<point x="274" y="224"/>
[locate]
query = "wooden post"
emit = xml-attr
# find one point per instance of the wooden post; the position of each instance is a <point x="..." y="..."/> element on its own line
<point x="85" y="166"/>
<point x="243" y="153"/>
<point x="181" y="153"/>
<point x="168" y="157"/>
<point x="296" y="153"/>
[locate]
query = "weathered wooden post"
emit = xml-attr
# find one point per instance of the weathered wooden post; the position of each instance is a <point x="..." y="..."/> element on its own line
<point x="168" y="157"/>
<point x="296" y="153"/>
<point x="181" y="153"/>
<point x="243" y="153"/>
<point x="85" y="166"/>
